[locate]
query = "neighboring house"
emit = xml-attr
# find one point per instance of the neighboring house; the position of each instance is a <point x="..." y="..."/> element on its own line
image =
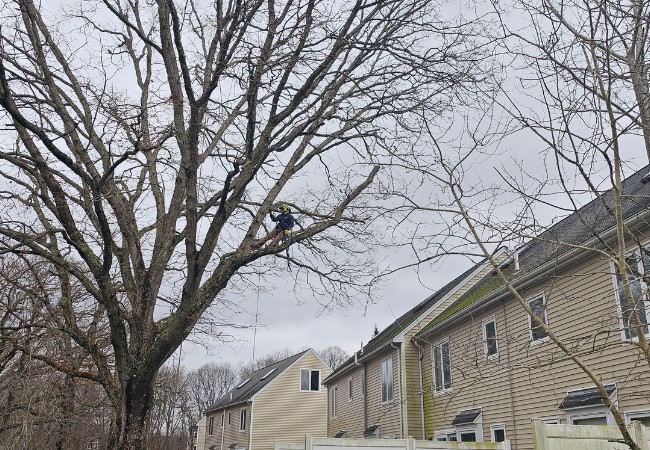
<point x="377" y="392"/>
<point x="197" y="433"/>
<point x="282" y="402"/>
<point x="488" y="369"/>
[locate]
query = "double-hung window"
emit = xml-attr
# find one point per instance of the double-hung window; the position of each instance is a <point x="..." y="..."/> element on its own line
<point x="441" y="366"/>
<point x="211" y="426"/>
<point x="309" y="380"/>
<point x="387" y="380"/>
<point x="333" y="402"/>
<point x="638" y="264"/>
<point x="490" y="338"/>
<point x="363" y="383"/>
<point x="538" y="305"/>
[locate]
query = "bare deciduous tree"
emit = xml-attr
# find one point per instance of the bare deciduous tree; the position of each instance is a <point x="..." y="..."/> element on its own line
<point x="148" y="142"/>
<point x="333" y="356"/>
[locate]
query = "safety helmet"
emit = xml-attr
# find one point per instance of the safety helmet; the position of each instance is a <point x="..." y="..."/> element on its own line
<point x="282" y="207"/>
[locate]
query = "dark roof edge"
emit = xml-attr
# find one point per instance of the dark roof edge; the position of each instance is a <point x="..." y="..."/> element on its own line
<point x="364" y="357"/>
<point x="224" y="407"/>
<point x="249" y="399"/>
<point x="529" y="278"/>
<point x="358" y="361"/>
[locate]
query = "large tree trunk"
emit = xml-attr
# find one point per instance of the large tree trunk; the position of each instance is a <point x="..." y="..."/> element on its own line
<point x="128" y="431"/>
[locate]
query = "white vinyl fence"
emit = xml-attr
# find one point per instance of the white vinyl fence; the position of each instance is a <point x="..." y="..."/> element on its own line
<point x="315" y="443"/>
<point x="586" y="437"/>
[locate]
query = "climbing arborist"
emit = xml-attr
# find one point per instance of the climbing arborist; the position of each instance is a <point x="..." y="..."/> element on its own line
<point x="285" y="222"/>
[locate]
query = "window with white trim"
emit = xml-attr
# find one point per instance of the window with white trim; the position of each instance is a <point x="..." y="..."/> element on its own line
<point x="491" y="346"/>
<point x="585" y="406"/>
<point x="242" y="420"/>
<point x="350" y="389"/>
<point x="538" y="306"/>
<point x="387" y="380"/>
<point x="309" y="380"/>
<point x="441" y="366"/>
<point x="446" y="435"/>
<point x="498" y="432"/>
<point x="637" y="267"/>
<point x="333" y="402"/>
<point x="210" y="425"/>
<point x="639" y="416"/>
<point x="363" y="383"/>
<point x="551" y="420"/>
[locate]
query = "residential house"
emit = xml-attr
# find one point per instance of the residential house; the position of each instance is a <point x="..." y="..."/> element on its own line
<point x="281" y="402"/>
<point x="377" y="392"/>
<point x="197" y="434"/>
<point x="487" y="368"/>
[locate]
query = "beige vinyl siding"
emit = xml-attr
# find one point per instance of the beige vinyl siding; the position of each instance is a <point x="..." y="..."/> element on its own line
<point x="349" y="413"/>
<point x="411" y="371"/>
<point x="231" y="431"/>
<point x="581" y="310"/>
<point x="281" y="412"/>
<point x="200" y="439"/>
<point x="386" y="415"/>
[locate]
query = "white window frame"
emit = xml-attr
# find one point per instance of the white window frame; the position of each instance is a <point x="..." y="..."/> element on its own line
<point x="631" y="415"/>
<point x="498" y="426"/>
<point x="588" y="412"/>
<point x="363" y="383"/>
<point x="443" y="435"/>
<point x="350" y="389"/>
<point x="551" y="420"/>
<point x="591" y="411"/>
<point x="310" y="372"/>
<point x="644" y="287"/>
<point x="476" y="428"/>
<point x="485" y="337"/>
<point x="433" y="368"/>
<point x="242" y="419"/>
<point x="530" y="319"/>
<point x="333" y="402"/>
<point x="211" y="426"/>
<point x="388" y="363"/>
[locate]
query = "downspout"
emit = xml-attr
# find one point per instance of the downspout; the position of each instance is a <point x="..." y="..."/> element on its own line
<point x="250" y="428"/>
<point x="512" y="404"/>
<point x="420" y="356"/>
<point x="365" y="391"/>
<point x="399" y="377"/>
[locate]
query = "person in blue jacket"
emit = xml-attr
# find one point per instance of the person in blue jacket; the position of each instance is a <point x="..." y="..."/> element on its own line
<point x="285" y="222"/>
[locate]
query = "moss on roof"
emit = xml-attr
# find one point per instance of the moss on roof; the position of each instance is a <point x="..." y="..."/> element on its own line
<point x="483" y="288"/>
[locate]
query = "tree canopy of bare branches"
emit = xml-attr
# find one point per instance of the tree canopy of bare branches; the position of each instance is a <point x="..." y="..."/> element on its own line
<point x="147" y="141"/>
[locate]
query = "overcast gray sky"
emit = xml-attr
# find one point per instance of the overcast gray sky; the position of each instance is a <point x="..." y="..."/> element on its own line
<point x="288" y="323"/>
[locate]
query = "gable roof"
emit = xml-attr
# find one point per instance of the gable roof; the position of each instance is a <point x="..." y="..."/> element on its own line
<point x="405" y="321"/>
<point x="255" y="383"/>
<point x="590" y="223"/>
